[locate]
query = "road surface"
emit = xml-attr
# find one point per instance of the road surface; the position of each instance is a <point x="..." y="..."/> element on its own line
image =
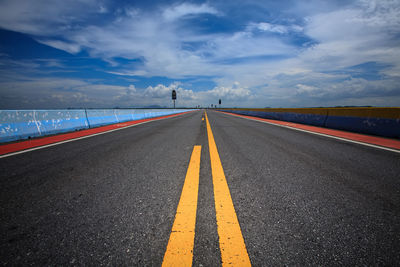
<point x="299" y="199"/>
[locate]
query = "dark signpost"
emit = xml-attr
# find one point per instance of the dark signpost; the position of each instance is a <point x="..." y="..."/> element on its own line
<point x="174" y="96"/>
<point x="219" y="102"/>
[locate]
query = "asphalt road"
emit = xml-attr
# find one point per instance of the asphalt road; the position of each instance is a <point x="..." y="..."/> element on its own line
<point x="111" y="199"/>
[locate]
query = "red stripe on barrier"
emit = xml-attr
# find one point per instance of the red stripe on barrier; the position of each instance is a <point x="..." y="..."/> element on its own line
<point x="23" y="145"/>
<point x="374" y="140"/>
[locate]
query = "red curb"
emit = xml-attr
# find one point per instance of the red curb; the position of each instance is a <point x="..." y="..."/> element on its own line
<point x="23" y="145"/>
<point x="374" y="140"/>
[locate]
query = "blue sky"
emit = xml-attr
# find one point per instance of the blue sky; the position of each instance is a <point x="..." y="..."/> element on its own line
<point x="88" y="53"/>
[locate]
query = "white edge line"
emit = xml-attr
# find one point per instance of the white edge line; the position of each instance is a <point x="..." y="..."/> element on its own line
<point x="79" y="138"/>
<point x="321" y="134"/>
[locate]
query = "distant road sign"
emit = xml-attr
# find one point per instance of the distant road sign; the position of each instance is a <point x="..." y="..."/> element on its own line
<point x="219" y="102"/>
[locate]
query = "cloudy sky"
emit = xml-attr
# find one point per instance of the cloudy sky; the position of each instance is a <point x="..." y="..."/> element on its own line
<point x="288" y="53"/>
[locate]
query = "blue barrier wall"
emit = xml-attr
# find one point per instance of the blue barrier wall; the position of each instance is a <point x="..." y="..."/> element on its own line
<point x="24" y="124"/>
<point x="99" y="117"/>
<point x="375" y="126"/>
<point x="58" y="121"/>
<point x="311" y="119"/>
<point x="16" y="125"/>
<point x="375" y="121"/>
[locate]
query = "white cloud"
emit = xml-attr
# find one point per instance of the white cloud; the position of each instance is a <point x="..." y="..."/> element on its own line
<point x="158" y="41"/>
<point x="46" y="17"/>
<point x="71" y="48"/>
<point x="302" y="88"/>
<point x="276" y="28"/>
<point x="245" y="44"/>
<point x="184" y="96"/>
<point x="364" y="31"/>
<point x="132" y="88"/>
<point x="56" y="92"/>
<point x="354" y="36"/>
<point x="102" y="9"/>
<point x="159" y="91"/>
<point x="234" y="92"/>
<point x="185" y="9"/>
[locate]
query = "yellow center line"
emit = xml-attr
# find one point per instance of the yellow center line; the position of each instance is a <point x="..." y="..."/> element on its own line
<point x="231" y="242"/>
<point x="181" y="241"/>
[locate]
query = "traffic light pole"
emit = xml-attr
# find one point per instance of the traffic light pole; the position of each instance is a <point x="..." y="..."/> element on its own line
<point x="174" y="96"/>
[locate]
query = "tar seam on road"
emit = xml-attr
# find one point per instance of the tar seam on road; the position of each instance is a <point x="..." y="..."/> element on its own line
<point x="83" y="137"/>
<point x="231" y="242"/>
<point x="316" y="133"/>
<point x="179" y="250"/>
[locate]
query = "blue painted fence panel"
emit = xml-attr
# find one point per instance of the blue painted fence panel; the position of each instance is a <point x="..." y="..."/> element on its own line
<point x="376" y="126"/>
<point x="311" y="119"/>
<point x="59" y="121"/>
<point x="16" y="125"/>
<point x="23" y="124"/>
<point x="99" y="117"/>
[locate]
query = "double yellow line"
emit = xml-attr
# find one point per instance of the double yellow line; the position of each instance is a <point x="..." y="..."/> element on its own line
<point x="181" y="242"/>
